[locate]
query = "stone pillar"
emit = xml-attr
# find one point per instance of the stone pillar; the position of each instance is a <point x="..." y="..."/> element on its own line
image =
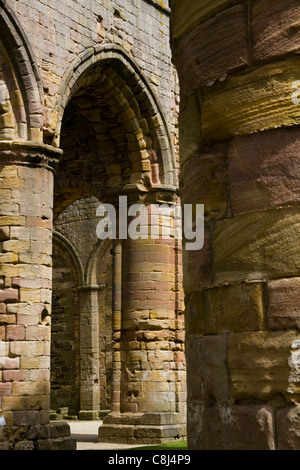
<point x="89" y="353"/>
<point x="149" y="370"/>
<point x="239" y="148"/>
<point x="26" y="193"/>
<point x="116" y="326"/>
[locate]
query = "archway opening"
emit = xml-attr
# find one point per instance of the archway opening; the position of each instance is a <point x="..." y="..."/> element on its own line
<point x="65" y="367"/>
<point x="115" y="143"/>
<point x="81" y="307"/>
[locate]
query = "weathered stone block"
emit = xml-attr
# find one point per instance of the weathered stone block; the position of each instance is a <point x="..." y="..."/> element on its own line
<point x="213" y="49"/>
<point x="38" y="432"/>
<point x="60" y="443"/>
<point x="204" y="181"/>
<point x="4" y="233"/>
<point x="287" y="425"/>
<point x="284" y="303"/>
<point x="15" y="375"/>
<point x="264" y="97"/>
<point x="263" y="365"/>
<point x="210" y="382"/>
<point x="28" y="388"/>
<point x="263" y="170"/>
<point x="5" y="389"/>
<point x="9" y="295"/>
<point x="231" y="427"/>
<point x="235" y="307"/>
<point x="29" y="362"/>
<point x="15" y="332"/>
<point x="197" y="269"/>
<point x="188" y="13"/>
<point x="278" y="32"/>
<point x="26" y="418"/>
<point x="60" y="429"/>
<point x="189" y="120"/>
<point x="26" y="348"/>
<point x="24" y="445"/>
<point x="257" y="245"/>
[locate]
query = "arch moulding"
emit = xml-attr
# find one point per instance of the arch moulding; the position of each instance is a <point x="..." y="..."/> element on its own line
<point x="20" y="70"/>
<point x="117" y="59"/>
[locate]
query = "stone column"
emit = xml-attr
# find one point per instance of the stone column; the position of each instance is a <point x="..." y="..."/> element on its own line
<point x="116" y="326"/>
<point x="26" y="194"/>
<point x="89" y="353"/>
<point x="239" y="148"/>
<point x="149" y="351"/>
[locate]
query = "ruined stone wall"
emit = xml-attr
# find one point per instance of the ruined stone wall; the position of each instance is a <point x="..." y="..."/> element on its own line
<point x="239" y="155"/>
<point x="88" y="109"/>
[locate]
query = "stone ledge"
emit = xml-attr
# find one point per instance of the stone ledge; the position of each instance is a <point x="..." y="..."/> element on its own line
<point x="144" y="434"/>
<point x="29" y="145"/>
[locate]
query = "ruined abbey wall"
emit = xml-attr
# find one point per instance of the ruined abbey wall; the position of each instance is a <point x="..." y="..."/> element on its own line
<point x="92" y="111"/>
<point x="59" y="32"/>
<point x="89" y="327"/>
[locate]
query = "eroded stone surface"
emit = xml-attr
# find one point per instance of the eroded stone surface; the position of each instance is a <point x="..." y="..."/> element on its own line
<point x="245" y="285"/>
<point x="257" y="244"/>
<point x="263" y="170"/>
<point x="263" y="364"/>
<point x="276" y="33"/>
<point x="264" y="99"/>
<point x="234" y="307"/>
<point x="284" y="303"/>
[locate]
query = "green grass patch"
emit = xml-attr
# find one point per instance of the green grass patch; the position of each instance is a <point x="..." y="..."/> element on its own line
<point x="180" y="445"/>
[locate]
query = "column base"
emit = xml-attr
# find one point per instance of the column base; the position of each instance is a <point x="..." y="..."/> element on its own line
<point x="52" y="436"/>
<point x="141" y="428"/>
<point x="89" y="415"/>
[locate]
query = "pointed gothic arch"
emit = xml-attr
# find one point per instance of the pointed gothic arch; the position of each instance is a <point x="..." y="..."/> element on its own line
<point x="126" y="91"/>
<point x="21" y="81"/>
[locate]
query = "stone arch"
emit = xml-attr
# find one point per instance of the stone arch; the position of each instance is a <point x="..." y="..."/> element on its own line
<point x="92" y="305"/>
<point x="95" y="264"/>
<point x="65" y="326"/>
<point x="116" y="142"/>
<point x="68" y="190"/>
<point x="20" y="83"/>
<point x="66" y="245"/>
<point x="127" y="94"/>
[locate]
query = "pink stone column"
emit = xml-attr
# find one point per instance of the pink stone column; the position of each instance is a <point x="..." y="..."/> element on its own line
<point x="149" y="346"/>
<point x="26" y="193"/>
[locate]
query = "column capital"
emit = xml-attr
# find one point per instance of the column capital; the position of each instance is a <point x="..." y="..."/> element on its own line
<point x="32" y="153"/>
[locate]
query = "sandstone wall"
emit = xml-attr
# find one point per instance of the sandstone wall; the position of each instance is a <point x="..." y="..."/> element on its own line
<point x="58" y="32"/>
<point x="239" y="143"/>
<point x="88" y="109"/>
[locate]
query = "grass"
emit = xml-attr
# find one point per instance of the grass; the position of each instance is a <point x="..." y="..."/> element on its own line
<point x="180" y="445"/>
